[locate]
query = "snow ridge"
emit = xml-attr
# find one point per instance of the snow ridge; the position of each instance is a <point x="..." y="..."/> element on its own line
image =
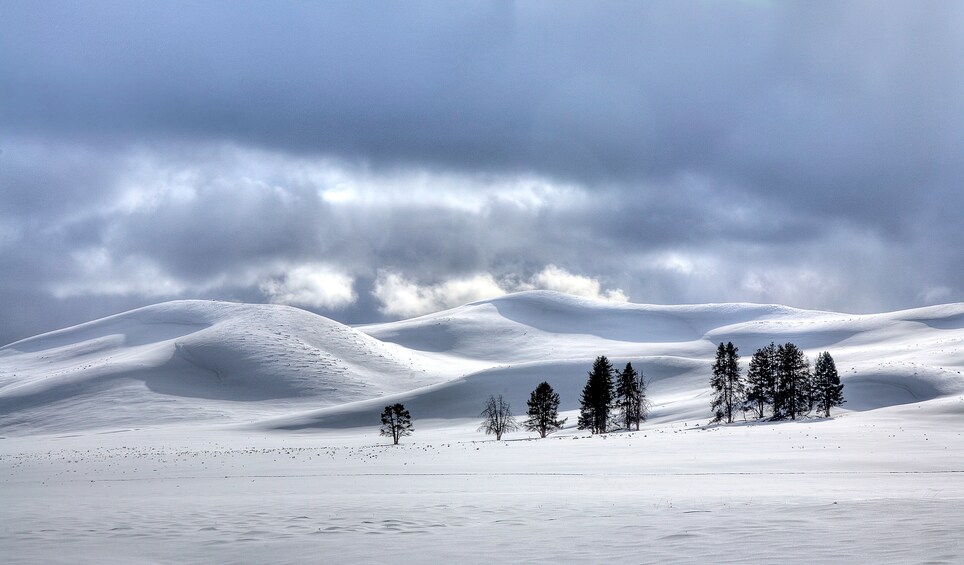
<point x="286" y="368"/>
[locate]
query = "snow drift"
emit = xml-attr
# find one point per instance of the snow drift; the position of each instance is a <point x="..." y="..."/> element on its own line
<point x="194" y="360"/>
<point x="289" y="369"/>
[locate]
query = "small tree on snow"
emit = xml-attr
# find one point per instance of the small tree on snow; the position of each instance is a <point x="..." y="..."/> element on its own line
<point x="543" y="410"/>
<point x="396" y="422"/>
<point x="497" y="417"/>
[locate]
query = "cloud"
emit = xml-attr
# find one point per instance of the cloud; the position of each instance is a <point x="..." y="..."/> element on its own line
<point x="783" y="152"/>
<point x="97" y="273"/>
<point x="560" y="280"/>
<point x="403" y="297"/>
<point x="316" y="286"/>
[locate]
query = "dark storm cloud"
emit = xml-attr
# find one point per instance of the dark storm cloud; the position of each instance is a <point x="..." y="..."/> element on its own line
<point x="793" y="140"/>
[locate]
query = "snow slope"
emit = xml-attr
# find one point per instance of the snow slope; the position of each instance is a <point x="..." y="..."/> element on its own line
<point x="189" y="360"/>
<point x="188" y="432"/>
<point x="289" y="369"/>
<point x="884" y="359"/>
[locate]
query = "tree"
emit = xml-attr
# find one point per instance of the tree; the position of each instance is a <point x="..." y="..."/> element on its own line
<point x="396" y="422"/>
<point x="543" y="411"/>
<point x="497" y="417"/>
<point x="718" y="383"/>
<point x="761" y="379"/>
<point x="631" y="396"/>
<point x="597" y="397"/>
<point x="827" y="388"/>
<point x="726" y="383"/>
<point x="792" y="396"/>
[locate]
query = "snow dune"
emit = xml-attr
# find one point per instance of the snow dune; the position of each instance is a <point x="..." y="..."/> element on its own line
<point x="885" y="359"/>
<point x="189" y="360"/>
<point x="290" y="369"/>
<point x="191" y="432"/>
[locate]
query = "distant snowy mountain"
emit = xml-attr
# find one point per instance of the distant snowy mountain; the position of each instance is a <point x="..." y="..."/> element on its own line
<point x="290" y="369"/>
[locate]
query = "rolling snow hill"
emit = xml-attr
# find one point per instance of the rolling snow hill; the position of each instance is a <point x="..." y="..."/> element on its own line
<point x="189" y="360"/>
<point x="276" y="367"/>
<point x="171" y="434"/>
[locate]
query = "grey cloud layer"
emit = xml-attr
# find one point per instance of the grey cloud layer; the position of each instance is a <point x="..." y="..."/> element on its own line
<point x="806" y="153"/>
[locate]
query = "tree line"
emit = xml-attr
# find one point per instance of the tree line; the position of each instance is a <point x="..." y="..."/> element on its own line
<point x="778" y="385"/>
<point x="610" y="400"/>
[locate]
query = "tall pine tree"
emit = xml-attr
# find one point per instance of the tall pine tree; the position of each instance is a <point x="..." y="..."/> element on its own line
<point x="726" y="383"/>
<point x="543" y="410"/>
<point x="597" y="397"/>
<point x="793" y="396"/>
<point x="631" y="397"/>
<point x="718" y="384"/>
<point x="828" y="390"/>
<point x="761" y="379"/>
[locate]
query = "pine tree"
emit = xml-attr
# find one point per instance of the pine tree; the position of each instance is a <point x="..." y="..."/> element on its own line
<point x="396" y="422"/>
<point x="631" y="397"/>
<point x="718" y="385"/>
<point x="735" y="387"/>
<point x="543" y="411"/>
<point x="597" y="397"/>
<point x="497" y="417"/>
<point x="728" y="387"/>
<point x="828" y="390"/>
<point x="793" y="383"/>
<point x="761" y="379"/>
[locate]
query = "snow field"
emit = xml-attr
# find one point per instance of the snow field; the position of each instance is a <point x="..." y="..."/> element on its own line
<point x="198" y="432"/>
<point x="878" y="487"/>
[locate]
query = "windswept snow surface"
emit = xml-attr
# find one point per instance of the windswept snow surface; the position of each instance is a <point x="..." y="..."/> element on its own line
<point x="201" y="432"/>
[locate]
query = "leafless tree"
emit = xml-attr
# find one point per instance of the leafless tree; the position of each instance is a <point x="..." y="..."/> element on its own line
<point x="497" y="417"/>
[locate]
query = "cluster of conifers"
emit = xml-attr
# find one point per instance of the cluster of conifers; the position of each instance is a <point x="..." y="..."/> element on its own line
<point x="779" y="383"/>
<point x="610" y="399"/>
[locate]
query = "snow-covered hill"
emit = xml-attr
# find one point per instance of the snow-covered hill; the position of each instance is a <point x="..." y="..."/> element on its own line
<point x="188" y="360"/>
<point x="884" y="359"/>
<point x="168" y="434"/>
<point x="289" y="369"/>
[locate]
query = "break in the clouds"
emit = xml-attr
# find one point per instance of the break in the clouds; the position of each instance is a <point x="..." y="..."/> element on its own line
<point x="403" y="297"/>
<point x="379" y="160"/>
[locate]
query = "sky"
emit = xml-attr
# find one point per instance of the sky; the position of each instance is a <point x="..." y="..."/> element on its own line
<point x="372" y="161"/>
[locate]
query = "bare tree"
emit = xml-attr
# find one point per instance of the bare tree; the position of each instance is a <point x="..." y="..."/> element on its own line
<point x="396" y="422"/>
<point x="497" y="418"/>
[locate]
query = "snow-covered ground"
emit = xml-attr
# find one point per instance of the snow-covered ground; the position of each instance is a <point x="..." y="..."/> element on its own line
<point x="211" y="432"/>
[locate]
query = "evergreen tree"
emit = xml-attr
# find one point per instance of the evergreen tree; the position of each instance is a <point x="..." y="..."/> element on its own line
<point x="736" y="388"/>
<point x="761" y="379"/>
<point x="597" y="397"/>
<point x="792" y="397"/>
<point x="396" y="422"/>
<point x="828" y="390"/>
<point x="718" y="384"/>
<point x="631" y="397"/>
<point x="726" y="383"/>
<point x="543" y="411"/>
<point x="497" y="417"/>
